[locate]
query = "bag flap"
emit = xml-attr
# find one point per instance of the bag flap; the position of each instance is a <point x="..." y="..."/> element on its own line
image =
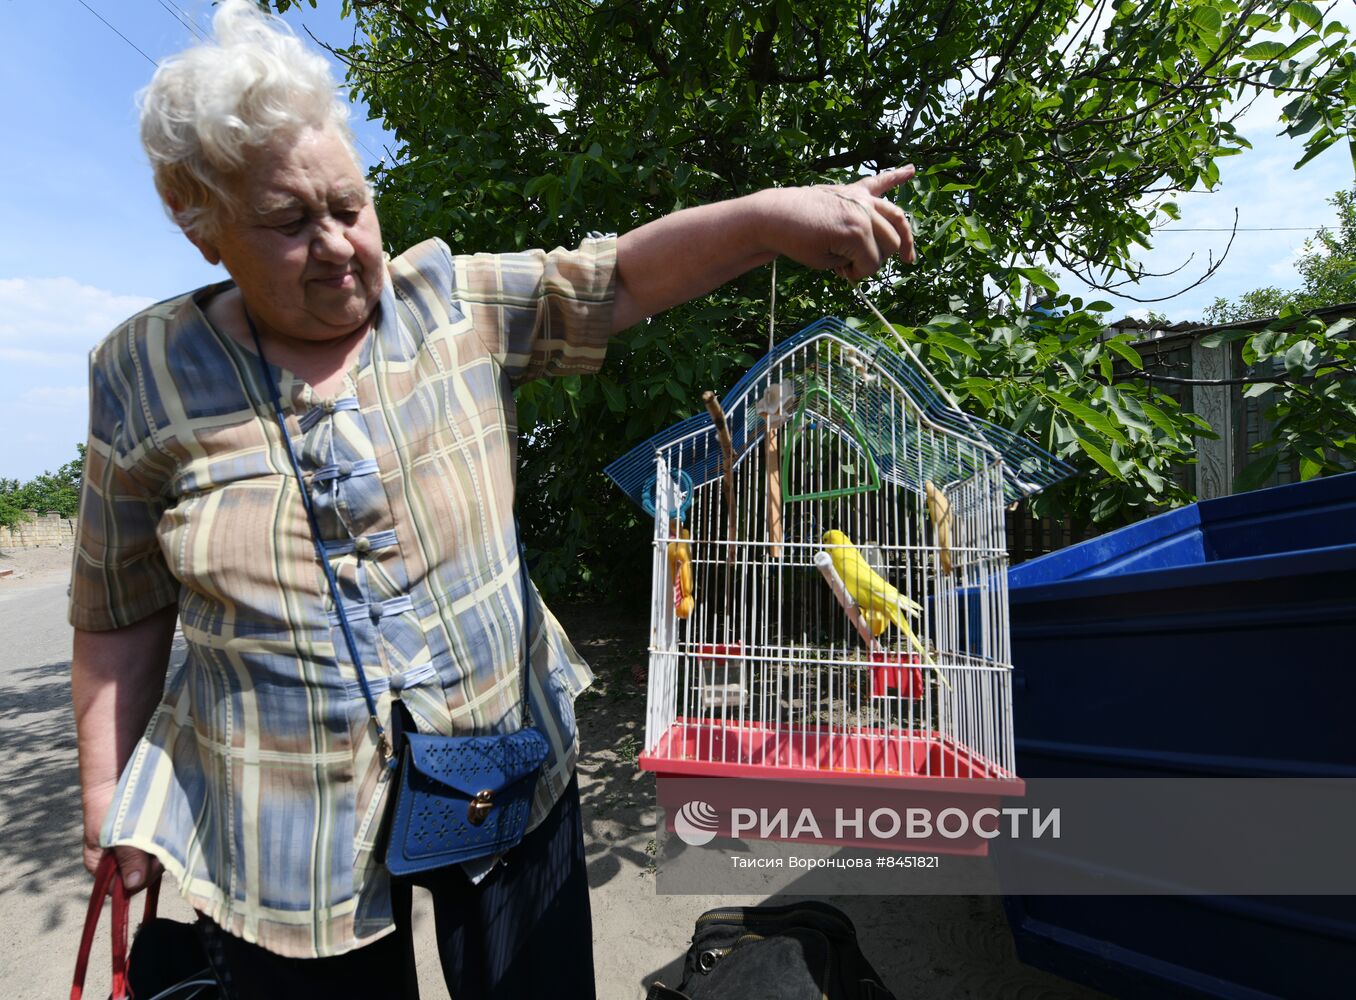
<point x="469" y="764"/>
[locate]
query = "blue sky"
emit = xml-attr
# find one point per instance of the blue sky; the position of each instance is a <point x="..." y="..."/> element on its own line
<point x="85" y="242"/>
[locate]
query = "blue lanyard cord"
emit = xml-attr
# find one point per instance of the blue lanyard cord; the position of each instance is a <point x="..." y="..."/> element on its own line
<point x="383" y="742"/>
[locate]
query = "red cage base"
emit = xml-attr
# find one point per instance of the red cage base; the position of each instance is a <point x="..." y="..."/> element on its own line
<point x="830" y="772"/>
<point x="903" y="758"/>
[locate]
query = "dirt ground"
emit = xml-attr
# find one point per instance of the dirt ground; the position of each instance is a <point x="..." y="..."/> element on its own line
<point x="33" y="567"/>
<point x="924" y="947"/>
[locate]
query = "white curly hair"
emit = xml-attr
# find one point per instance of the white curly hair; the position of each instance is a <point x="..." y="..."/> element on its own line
<point x="208" y="107"/>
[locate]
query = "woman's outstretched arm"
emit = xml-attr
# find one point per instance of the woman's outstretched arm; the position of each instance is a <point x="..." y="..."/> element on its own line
<point x="848" y="228"/>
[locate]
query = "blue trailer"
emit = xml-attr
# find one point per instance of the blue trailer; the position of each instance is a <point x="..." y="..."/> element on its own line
<point x="1214" y="640"/>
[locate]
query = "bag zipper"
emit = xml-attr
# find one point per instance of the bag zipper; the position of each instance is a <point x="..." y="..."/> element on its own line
<point x="739" y="916"/>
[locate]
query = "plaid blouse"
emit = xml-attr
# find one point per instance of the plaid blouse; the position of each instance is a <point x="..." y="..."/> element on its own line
<point x="258" y="782"/>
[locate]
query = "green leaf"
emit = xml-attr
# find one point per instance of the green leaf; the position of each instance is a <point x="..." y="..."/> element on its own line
<point x="1256" y="474"/>
<point x="1038" y="277"/>
<point x="734" y="41"/>
<point x="1125" y="159"/>
<point x="616" y="399"/>
<point x="1298" y="46"/>
<point x="976" y="233"/>
<point x="1317" y="144"/>
<point x="575" y="173"/>
<point x="983" y="395"/>
<point x="1123" y="412"/>
<point x="952" y="343"/>
<point x="1309" y="468"/>
<point x="1152" y="478"/>
<point x="1098" y="455"/>
<point x="1207" y="18"/>
<point x="1224" y="337"/>
<point x="1203" y="428"/>
<point x="537" y="185"/>
<point x="1157" y="417"/>
<point x="1087" y="415"/>
<point x="1024" y="417"/>
<point x="1123" y="348"/>
<point x="1264" y="51"/>
<point x="1299" y="359"/>
<point x="1306" y="13"/>
<point x="1255" y="389"/>
<point x="1106" y="507"/>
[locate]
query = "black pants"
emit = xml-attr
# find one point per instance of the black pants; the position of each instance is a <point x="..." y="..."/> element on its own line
<point x="524" y="933"/>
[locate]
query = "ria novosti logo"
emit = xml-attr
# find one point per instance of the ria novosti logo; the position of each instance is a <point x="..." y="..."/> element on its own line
<point x="696" y="823"/>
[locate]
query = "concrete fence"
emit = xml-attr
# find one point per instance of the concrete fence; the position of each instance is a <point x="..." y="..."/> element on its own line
<point x="46" y="531"/>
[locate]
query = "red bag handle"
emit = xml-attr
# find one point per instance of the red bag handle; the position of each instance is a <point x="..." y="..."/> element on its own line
<point x="106" y="881"/>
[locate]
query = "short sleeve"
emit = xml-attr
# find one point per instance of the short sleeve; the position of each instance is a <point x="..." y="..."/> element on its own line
<point x="119" y="575"/>
<point x="541" y="313"/>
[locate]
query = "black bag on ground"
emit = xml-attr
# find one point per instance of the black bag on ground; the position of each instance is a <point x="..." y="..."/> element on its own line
<point x="801" y="951"/>
<point x="167" y="962"/>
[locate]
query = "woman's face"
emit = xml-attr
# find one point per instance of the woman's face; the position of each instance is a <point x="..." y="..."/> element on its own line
<point x="304" y="247"/>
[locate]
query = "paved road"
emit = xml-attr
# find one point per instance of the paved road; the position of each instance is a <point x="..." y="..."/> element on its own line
<point x="932" y="947"/>
<point x="43" y="886"/>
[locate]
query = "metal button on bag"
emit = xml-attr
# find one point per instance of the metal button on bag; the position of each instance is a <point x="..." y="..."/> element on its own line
<point x="480" y="806"/>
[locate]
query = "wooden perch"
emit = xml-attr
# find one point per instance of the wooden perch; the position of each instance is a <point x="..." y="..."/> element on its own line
<point x="727" y="469"/>
<point x="939" y="507"/>
<point x="773" y="462"/>
<point x="824" y="563"/>
<point x="772" y="407"/>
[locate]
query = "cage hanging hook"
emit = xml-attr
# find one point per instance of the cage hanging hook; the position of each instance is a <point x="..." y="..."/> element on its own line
<point x="772" y="309"/>
<point x="904" y="345"/>
<point x="927" y="373"/>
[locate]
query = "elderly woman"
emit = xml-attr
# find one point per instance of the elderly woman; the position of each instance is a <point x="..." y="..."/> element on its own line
<point x="252" y="773"/>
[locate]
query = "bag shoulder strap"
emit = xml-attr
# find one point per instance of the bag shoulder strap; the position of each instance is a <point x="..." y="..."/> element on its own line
<point x="383" y="741"/>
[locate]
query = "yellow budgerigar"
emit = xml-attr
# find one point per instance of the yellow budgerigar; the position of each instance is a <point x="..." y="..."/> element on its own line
<point x="878" y="600"/>
<point x="877" y="622"/>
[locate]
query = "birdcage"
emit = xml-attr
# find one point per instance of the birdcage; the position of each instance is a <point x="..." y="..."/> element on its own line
<point x="829" y="581"/>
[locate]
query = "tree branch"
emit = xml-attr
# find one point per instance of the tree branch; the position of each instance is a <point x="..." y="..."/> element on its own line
<point x="1245" y="380"/>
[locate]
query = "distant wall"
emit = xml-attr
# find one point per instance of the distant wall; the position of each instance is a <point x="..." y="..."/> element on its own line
<point x="50" y="530"/>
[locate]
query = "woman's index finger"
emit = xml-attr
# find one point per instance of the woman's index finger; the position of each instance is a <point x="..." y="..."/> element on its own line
<point x="888" y="179"/>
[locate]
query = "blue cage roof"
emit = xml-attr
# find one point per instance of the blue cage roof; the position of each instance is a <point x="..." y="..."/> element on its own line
<point x="1027" y="468"/>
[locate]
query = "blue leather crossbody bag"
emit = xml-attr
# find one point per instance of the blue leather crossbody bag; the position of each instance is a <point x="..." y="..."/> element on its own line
<point x="465" y="797"/>
<point x="458" y="798"/>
